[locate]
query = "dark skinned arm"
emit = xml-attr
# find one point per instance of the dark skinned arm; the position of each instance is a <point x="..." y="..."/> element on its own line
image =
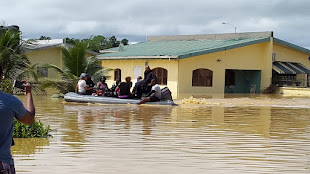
<point x="28" y="118"/>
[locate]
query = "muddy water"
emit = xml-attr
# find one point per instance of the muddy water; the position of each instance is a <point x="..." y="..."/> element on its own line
<point x="261" y="134"/>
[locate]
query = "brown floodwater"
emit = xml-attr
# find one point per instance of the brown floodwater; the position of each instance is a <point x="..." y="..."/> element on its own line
<point x="236" y="134"/>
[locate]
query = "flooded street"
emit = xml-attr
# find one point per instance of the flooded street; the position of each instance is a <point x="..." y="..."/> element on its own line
<point x="244" y="134"/>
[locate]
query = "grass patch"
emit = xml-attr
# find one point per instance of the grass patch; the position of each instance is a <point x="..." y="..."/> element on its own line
<point x="37" y="129"/>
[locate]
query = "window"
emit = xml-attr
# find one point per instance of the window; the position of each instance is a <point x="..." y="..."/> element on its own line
<point x="117" y="74"/>
<point x="202" y="77"/>
<point x="42" y="71"/>
<point x="161" y="75"/>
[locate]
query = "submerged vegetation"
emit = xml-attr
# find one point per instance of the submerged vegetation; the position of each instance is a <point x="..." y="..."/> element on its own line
<point x="37" y="129"/>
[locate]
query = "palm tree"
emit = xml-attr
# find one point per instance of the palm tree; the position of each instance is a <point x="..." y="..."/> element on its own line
<point x="12" y="58"/>
<point x="15" y="64"/>
<point x="75" y="63"/>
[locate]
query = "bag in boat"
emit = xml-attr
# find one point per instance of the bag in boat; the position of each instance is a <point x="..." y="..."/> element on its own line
<point x="166" y="94"/>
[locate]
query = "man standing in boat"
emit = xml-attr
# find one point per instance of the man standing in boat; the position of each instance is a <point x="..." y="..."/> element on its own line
<point x="148" y="76"/>
<point x="10" y="108"/>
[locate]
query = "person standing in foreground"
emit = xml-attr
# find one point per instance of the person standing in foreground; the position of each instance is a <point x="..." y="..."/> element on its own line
<point x="154" y="95"/>
<point x="11" y="107"/>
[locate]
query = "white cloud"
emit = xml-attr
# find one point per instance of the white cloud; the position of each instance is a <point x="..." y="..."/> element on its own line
<point x="79" y="18"/>
<point x="76" y="27"/>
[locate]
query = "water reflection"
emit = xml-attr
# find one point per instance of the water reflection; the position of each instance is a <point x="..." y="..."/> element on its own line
<point x="232" y="135"/>
<point x="27" y="146"/>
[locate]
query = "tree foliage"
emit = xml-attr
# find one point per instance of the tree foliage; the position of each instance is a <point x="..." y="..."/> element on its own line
<point x="75" y="63"/>
<point x="12" y="56"/>
<point x="45" y="38"/>
<point x="97" y="43"/>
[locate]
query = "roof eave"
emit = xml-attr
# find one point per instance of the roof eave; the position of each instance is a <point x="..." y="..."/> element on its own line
<point x="138" y="57"/>
<point x="290" y="45"/>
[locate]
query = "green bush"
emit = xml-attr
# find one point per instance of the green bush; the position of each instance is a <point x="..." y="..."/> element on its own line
<point x="37" y="129"/>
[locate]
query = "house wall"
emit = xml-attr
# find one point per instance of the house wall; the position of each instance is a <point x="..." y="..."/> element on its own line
<point x="252" y="57"/>
<point x="127" y="69"/>
<point x="50" y="55"/>
<point x="290" y="55"/>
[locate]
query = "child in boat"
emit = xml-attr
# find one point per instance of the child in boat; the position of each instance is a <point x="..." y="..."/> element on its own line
<point x="154" y="95"/>
<point x="124" y="89"/>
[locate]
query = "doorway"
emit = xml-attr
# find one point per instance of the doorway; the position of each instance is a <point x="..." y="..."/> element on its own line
<point x="242" y="81"/>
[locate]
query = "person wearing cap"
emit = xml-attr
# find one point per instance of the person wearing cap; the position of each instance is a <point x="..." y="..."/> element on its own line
<point x="81" y="87"/>
<point x="10" y="108"/>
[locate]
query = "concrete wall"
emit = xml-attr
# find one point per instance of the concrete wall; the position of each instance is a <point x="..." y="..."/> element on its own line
<point x="127" y="69"/>
<point x="252" y="57"/>
<point x="50" y="55"/>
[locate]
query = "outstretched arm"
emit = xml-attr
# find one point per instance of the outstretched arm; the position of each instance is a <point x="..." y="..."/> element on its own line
<point x="29" y="116"/>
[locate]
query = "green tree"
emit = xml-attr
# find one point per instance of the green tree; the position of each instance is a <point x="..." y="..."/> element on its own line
<point x="113" y="41"/>
<point x="75" y="63"/>
<point x="12" y="58"/>
<point x="72" y="41"/>
<point x="124" y="41"/>
<point x="45" y="38"/>
<point x="14" y="62"/>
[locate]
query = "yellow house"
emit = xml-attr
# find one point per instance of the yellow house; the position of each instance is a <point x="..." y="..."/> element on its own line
<point x="48" y="51"/>
<point x="213" y="63"/>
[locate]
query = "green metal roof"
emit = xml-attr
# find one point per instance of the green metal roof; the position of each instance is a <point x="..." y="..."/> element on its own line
<point x="178" y="49"/>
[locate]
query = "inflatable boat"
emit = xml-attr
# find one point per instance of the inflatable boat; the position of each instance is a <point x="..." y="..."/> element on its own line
<point x="74" y="97"/>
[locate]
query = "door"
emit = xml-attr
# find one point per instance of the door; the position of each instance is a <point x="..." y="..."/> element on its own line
<point x="137" y="71"/>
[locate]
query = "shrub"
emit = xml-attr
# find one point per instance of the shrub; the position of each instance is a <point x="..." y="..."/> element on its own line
<point x="37" y="129"/>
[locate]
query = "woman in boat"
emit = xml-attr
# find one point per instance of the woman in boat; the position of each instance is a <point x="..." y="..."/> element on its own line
<point x="102" y="86"/>
<point x="124" y="89"/>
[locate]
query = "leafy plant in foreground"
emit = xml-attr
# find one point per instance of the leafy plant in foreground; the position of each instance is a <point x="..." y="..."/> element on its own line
<point x="37" y="129"/>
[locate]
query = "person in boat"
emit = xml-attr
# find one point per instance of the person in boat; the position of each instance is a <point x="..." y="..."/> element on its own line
<point x="117" y="82"/>
<point x="154" y="95"/>
<point x="124" y="89"/>
<point x="81" y="87"/>
<point x="89" y="81"/>
<point x="112" y="92"/>
<point x="102" y="85"/>
<point x="137" y="90"/>
<point x="148" y="76"/>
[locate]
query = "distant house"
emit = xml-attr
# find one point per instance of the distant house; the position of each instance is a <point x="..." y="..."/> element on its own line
<point x="213" y="63"/>
<point x="48" y="51"/>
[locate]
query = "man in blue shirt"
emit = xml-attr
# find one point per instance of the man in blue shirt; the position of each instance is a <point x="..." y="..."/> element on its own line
<point x="11" y="107"/>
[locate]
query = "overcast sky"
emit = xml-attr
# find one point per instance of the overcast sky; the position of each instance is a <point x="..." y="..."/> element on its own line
<point x="136" y="19"/>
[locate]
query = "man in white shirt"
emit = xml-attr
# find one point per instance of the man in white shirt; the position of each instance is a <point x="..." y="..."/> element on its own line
<point x="154" y="95"/>
<point x="81" y="87"/>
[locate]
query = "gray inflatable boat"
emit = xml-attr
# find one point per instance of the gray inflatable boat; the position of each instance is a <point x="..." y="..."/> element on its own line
<point x="74" y="97"/>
